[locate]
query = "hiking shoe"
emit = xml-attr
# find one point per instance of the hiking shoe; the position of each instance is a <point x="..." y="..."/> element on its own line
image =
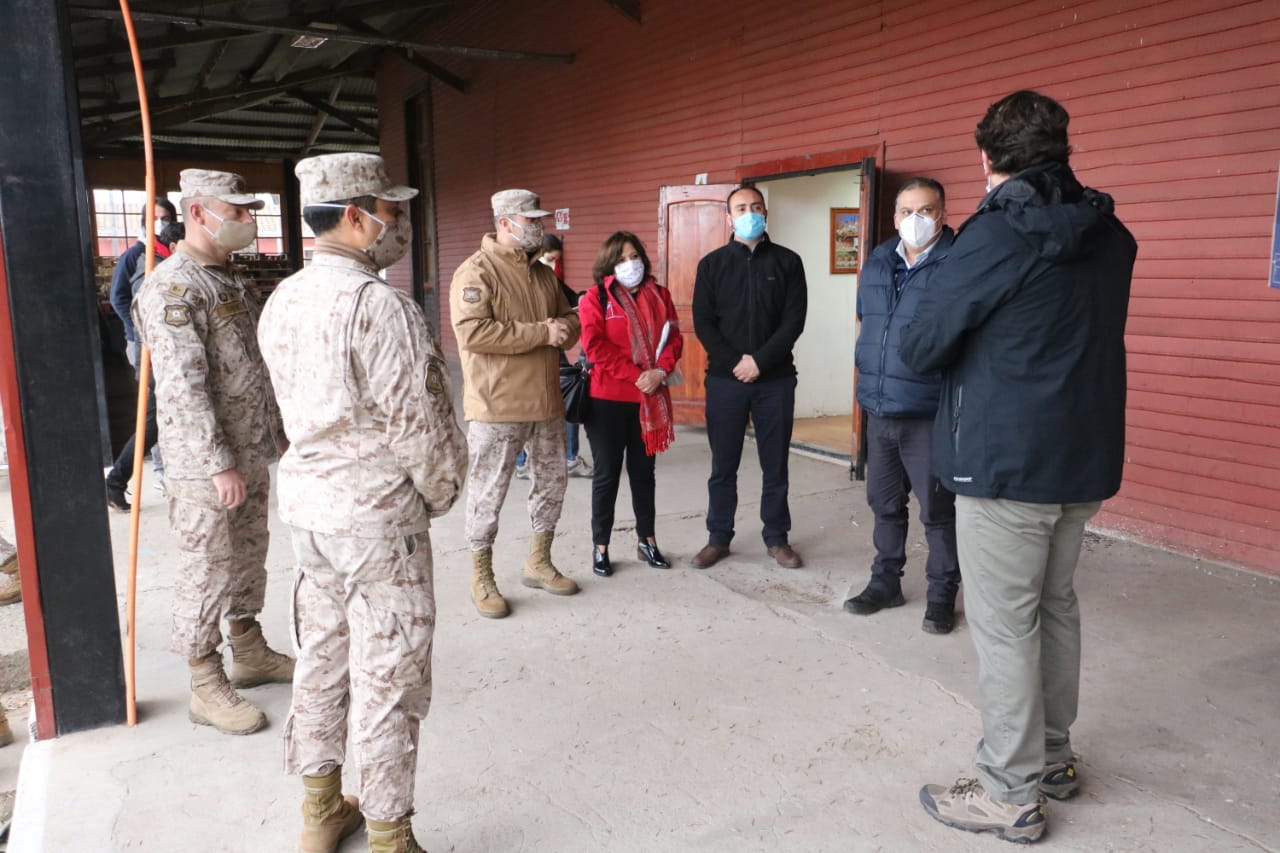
<point x="1059" y="781"/>
<point x="874" y="599"/>
<point x="522" y="471"/>
<point x="484" y="589"/>
<point x="938" y="618"/>
<point x="540" y="572"/>
<point x="116" y="499"/>
<point x="579" y="468"/>
<point x="214" y="702"/>
<point x="967" y="805"/>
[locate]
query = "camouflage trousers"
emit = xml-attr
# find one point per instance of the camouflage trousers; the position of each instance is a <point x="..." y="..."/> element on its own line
<point x="222" y="565"/>
<point x="364" y="613"/>
<point x="492" y="450"/>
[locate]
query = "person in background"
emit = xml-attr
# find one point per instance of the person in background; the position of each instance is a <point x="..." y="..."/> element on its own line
<point x="553" y="256"/>
<point x="511" y="320"/>
<point x="124" y="280"/>
<point x="749" y="304"/>
<point x="1027" y="324"/>
<point x="631" y="335"/>
<point x="122" y="469"/>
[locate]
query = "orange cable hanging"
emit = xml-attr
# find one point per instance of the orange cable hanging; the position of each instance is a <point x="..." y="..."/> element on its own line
<point x="144" y="381"/>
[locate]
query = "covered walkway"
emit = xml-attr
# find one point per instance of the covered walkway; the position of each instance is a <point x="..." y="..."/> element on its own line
<point x="737" y="709"/>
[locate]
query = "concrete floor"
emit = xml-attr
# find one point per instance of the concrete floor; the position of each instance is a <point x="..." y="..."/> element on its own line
<point x="736" y="709"/>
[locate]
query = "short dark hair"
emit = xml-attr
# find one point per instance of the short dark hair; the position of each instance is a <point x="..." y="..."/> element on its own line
<point x="166" y="204"/>
<point x="172" y="233"/>
<point x="611" y="252"/>
<point x="322" y="220"/>
<point x="739" y="188"/>
<point x="927" y="183"/>
<point x="1022" y="130"/>
<point x="551" y="243"/>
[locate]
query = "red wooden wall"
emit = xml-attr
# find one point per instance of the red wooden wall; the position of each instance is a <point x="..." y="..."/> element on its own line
<point x="1175" y="110"/>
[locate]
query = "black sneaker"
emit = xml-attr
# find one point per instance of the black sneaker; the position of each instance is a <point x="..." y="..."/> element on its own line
<point x="938" y="618"/>
<point x="116" y="499"/>
<point x="873" y="599"/>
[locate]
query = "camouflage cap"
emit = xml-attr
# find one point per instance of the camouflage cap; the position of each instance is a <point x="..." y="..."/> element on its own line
<point x="224" y="186"/>
<point x="517" y="202"/>
<point x="338" y="177"/>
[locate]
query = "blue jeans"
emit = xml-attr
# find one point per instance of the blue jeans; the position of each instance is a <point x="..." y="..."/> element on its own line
<point x="570" y="445"/>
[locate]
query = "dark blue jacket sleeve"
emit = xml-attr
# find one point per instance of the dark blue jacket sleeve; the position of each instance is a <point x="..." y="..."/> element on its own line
<point x="986" y="265"/>
<point x="122" y="291"/>
<point x="783" y="340"/>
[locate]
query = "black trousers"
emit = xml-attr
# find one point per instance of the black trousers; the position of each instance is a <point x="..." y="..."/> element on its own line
<point x="771" y="407"/>
<point x="613" y="429"/>
<point x="899" y="455"/>
<point x="122" y="470"/>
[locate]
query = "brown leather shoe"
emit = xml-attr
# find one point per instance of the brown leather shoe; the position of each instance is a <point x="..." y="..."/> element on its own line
<point x="709" y="556"/>
<point x="785" y="556"/>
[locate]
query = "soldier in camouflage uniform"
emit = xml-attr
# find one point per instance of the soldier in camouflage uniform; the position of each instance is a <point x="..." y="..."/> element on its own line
<point x="376" y="453"/>
<point x="511" y="318"/>
<point x="219" y="430"/>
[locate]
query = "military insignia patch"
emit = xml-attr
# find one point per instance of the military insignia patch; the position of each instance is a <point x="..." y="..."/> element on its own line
<point x="177" y="315"/>
<point x="470" y="294"/>
<point x="435" y="379"/>
<point x="176" y="289"/>
<point x="230" y="309"/>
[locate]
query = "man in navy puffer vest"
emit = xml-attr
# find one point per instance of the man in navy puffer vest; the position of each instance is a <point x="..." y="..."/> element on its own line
<point x="900" y="405"/>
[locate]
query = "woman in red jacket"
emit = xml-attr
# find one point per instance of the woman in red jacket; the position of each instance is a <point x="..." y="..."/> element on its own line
<point x="632" y="339"/>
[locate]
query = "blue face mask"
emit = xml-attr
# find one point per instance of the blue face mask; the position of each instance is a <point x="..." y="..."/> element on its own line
<point x="749" y="226"/>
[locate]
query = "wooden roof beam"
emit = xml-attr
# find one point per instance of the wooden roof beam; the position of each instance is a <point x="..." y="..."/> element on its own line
<point x="630" y="8"/>
<point x="337" y="112"/>
<point x="439" y="72"/>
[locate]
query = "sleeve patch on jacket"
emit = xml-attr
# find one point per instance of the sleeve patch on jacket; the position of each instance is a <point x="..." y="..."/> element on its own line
<point x="470" y="294"/>
<point x="435" y="379"/>
<point x="177" y="315"/>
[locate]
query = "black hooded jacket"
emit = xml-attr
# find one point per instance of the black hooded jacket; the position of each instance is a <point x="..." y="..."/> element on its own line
<point x="1026" y="320"/>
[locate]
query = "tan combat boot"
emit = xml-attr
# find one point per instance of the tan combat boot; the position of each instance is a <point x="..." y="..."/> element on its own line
<point x="215" y="703"/>
<point x="254" y="663"/>
<point x="484" y="589"/>
<point x="327" y="816"/>
<point x="540" y="572"/>
<point x="6" y="733"/>
<point x="393" y="837"/>
<point x="10" y="585"/>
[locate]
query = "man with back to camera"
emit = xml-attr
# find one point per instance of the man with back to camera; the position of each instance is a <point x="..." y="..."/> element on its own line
<point x="749" y="303"/>
<point x="512" y="320"/>
<point x="900" y="405"/>
<point x="1027" y="325"/>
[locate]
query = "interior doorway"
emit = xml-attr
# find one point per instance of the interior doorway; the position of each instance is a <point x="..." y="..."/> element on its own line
<point x="817" y="217"/>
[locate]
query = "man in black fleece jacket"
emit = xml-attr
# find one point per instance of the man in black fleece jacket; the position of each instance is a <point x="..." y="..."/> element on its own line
<point x="1027" y="325"/>
<point x="749" y="303"/>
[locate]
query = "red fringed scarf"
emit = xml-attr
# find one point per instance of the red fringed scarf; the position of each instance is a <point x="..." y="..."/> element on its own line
<point x="644" y="322"/>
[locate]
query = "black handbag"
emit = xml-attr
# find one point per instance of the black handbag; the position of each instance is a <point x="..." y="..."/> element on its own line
<point x="575" y="387"/>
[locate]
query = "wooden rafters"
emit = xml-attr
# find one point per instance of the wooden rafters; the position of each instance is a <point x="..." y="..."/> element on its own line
<point x="337" y="112"/>
<point x="630" y="8"/>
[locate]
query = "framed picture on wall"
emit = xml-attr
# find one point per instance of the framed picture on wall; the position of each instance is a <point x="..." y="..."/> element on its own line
<point x="844" y="240"/>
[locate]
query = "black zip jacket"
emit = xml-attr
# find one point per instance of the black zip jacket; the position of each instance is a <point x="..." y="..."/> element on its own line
<point x="1027" y="323"/>
<point x="750" y="303"/>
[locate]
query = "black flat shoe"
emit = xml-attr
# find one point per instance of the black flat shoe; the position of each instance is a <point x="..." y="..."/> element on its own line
<point x="600" y="563"/>
<point x="651" y="555"/>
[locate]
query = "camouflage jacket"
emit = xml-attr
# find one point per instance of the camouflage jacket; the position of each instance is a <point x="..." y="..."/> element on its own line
<point x="375" y="449"/>
<point x="213" y="396"/>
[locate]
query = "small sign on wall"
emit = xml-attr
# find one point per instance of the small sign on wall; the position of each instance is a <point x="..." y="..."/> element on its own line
<point x="562" y="219"/>
<point x="1274" y="281"/>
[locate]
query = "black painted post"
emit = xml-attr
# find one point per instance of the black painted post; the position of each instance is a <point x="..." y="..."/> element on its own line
<point x="46" y="244"/>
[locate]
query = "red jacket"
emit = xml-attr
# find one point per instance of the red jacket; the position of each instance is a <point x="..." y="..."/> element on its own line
<point x="606" y="339"/>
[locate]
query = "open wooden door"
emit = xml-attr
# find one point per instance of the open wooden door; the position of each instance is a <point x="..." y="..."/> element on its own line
<point x="867" y="242"/>
<point x="691" y="223"/>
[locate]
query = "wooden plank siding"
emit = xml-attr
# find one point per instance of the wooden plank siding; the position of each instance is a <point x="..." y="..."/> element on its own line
<point x="1175" y="110"/>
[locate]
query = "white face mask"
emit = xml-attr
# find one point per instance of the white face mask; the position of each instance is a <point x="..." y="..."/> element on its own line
<point x="629" y="273"/>
<point x="231" y="236"/>
<point x="551" y="262"/>
<point x="917" y="230"/>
